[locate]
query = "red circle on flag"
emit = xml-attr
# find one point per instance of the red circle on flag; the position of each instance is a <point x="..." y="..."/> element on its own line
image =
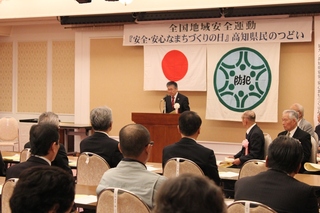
<point x="174" y="65"/>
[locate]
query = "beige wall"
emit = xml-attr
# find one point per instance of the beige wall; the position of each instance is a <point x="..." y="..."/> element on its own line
<point x="116" y="80"/>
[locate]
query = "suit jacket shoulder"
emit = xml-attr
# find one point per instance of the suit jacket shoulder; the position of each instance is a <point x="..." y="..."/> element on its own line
<point x="15" y="170"/>
<point x="190" y="149"/>
<point x="101" y="144"/>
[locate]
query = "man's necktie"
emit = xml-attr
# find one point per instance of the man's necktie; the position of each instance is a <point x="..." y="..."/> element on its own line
<point x="288" y="134"/>
<point x="172" y="102"/>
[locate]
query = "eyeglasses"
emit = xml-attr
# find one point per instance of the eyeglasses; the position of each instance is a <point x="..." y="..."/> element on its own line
<point x="151" y="143"/>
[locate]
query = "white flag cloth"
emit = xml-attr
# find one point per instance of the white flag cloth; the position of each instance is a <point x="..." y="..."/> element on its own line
<point x="243" y="77"/>
<point x="184" y="64"/>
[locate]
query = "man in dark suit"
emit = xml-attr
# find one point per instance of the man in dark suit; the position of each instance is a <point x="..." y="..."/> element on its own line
<point x="277" y="187"/>
<point x="100" y="143"/>
<point x="187" y="147"/>
<point x="44" y="139"/>
<point x="253" y="145"/>
<point x="174" y="98"/>
<point x="290" y="124"/>
<point x="61" y="159"/>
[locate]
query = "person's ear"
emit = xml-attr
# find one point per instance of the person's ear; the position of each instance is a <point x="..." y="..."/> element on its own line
<point x="119" y="147"/>
<point x="298" y="169"/>
<point x="178" y="129"/>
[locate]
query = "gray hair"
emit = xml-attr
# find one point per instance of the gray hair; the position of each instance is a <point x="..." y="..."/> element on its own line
<point x="293" y="115"/>
<point x="49" y="117"/>
<point x="101" y="118"/>
<point x="250" y="115"/>
<point x="299" y="107"/>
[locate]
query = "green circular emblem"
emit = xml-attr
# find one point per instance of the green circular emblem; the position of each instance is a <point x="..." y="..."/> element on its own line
<point x="242" y="79"/>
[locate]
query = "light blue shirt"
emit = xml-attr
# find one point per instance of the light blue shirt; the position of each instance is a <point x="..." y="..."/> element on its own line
<point x="134" y="177"/>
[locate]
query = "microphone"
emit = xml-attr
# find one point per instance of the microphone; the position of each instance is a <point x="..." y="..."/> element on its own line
<point x="162" y="106"/>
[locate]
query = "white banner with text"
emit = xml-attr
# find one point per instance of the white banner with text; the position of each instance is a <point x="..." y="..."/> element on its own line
<point x="220" y="31"/>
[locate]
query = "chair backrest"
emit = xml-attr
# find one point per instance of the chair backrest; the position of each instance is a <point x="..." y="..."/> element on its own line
<point x="176" y="166"/>
<point x="252" y="167"/>
<point x="115" y="200"/>
<point x="25" y="154"/>
<point x="245" y="206"/>
<point x="7" y="191"/>
<point x="90" y="168"/>
<point x="267" y="142"/>
<point x="314" y="150"/>
<point x="9" y="129"/>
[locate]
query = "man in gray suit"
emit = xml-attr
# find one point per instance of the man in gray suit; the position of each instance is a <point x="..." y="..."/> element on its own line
<point x="303" y="123"/>
<point x="131" y="173"/>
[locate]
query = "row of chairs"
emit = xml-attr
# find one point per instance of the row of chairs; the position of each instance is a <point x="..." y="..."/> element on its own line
<point x="90" y="168"/>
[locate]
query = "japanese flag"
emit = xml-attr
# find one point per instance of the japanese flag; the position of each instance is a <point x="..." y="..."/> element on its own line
<point x="184" y="64"/>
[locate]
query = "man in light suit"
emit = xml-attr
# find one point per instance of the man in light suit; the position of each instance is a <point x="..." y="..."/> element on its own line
<point x="174" y="97"/>
<point x="277" y="187"/>
<point x="44" y="140"/>
<point x="253" y="145"/>
<point x="131" y="173"/>
<point x="187" y="147"/>
<point x="303" y="123"/>
<point x="290" y="124"/>
<point x="100" y="143"/>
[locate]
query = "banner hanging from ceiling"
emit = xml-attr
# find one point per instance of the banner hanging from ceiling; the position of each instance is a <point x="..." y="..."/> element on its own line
<point x="220" y="31"/>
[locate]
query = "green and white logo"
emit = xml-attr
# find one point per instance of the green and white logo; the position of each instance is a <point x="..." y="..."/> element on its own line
<point x="242" y="79"/>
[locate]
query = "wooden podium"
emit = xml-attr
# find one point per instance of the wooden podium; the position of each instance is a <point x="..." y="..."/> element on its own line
<point x="163" y="130"/>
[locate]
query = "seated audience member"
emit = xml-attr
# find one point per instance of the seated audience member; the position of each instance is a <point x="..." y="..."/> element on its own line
<point x="253" y="145"/>
<point x="44" y="139"/>
<point x="131" y="173"/>
<point x="61" y="159"/>
<point x="303" y="123"/>
<point x="43" y="189"/>
<point x="100" y="143"/>
<point x="187" y="147"/>
<point x="289" y="123"/>
<point x="277" y="187"/>
<point x="189" y="193"/>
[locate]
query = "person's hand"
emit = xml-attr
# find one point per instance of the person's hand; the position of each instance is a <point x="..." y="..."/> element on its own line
<point x="236" y="161"/>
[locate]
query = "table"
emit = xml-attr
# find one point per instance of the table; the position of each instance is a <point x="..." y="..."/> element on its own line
<point x="11" y="157"/>
<point x="86" y="196"/>
<point x="73" y="129"/>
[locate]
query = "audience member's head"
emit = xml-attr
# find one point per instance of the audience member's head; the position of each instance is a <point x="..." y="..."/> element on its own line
<point x="289" y="119"/>
<point x="49" y="117"/>
<point x="44" y="140"/>
<point x="285" y="154"/>
<point x="299" y="109"/>
<point x="189" y="193"/>
<point x="189" y="123"/>
<point x="135" y="142"/>
<point x="101" y="118"/>
<point x="249" y="116"/>
<point x="43" y="189"/>
<point x="172" y="88"/>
